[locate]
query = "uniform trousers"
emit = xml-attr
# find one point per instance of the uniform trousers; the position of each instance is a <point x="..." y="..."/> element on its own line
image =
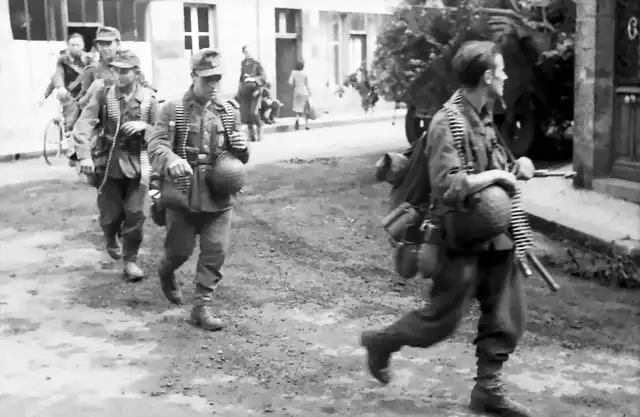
<point x="495" y="281"/>
<point x="121" y="202"/>
<point x="182" y="230"/>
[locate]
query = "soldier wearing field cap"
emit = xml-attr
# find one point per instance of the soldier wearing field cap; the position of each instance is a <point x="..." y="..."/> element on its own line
<point x="107" y="43"/>
<point x="187" y="141"/>
<point x="116" y="159"/>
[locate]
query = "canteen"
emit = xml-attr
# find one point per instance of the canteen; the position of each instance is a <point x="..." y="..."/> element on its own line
<point x="487" y="215"/>
<point x="228" y="175"/>
<point x="406" y="260"/>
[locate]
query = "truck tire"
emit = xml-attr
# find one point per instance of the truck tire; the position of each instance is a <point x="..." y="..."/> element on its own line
<point x="414" y="126"/>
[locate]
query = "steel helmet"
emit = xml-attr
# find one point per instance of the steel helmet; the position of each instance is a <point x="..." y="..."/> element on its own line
<point x="228" y="176"/>
<point x="488" y="215"/>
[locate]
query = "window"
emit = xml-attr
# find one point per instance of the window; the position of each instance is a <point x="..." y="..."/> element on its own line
<point x="358" y="52"/>
<point x="336" y="36"/>
<point x="199" y="27"/>
<point x="286" y="21"/>
<point x="44" y="20"/>
<point x="29" y="20"/>
<point x="127" y="16"/>
<point x="358" y="40"/>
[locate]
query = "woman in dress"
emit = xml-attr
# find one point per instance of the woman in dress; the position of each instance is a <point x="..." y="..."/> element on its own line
<point x="301" y="94"/>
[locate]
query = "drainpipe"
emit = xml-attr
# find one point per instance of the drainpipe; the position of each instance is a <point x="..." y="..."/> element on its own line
<point x="258" y="29"/>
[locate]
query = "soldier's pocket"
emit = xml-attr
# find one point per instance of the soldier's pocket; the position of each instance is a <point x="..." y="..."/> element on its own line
<point x="176" y="192"/>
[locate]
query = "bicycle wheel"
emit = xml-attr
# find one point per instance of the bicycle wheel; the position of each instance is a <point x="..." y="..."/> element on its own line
<point x="53" y="137"/>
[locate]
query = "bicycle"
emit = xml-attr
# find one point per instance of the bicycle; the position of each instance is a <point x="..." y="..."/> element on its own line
<point x="56" y="139"/>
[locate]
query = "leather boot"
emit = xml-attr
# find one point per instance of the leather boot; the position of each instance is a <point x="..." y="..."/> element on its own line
<point x="201" y="314"/>
<point x="132" y="271"/>
<point x="113" y="246"/>
<point x="490" y="396"/>
<point x="377" y="356"/>
<point x="169" y="285"/>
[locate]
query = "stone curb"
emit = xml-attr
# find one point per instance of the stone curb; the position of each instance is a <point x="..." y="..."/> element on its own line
<point x="269" y="129"/>
<point x="622" y="247"/>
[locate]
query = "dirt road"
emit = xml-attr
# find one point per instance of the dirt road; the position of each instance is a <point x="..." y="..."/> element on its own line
<point x="309" y="269"/>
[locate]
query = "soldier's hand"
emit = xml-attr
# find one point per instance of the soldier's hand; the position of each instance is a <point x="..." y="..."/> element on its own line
<point x="133" y="127"/>
<point x="180" y="168"/>
<point x="87" y="167"/>
<point x="507" y="181"/>
<point x="524" y="169"/>
<point x="238" y="141"/>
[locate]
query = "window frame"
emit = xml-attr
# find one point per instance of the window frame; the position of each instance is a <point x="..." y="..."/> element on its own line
<point x="195" y="32"/>
<point x="65" y="23"/>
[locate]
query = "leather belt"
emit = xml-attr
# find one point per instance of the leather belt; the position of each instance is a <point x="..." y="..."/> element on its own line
<point x="200" y="159"/>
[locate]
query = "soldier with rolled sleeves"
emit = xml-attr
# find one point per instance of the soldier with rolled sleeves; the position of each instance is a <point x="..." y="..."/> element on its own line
<point x="117" y="160"/>
<point x="485" y="270"/>
<point x="205" y="212"/>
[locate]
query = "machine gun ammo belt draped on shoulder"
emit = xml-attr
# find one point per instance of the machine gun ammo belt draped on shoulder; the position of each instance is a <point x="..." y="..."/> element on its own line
<point x="411" y="226"/>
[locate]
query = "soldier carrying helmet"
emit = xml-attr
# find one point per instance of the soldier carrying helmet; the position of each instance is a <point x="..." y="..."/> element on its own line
<point x="192" y="140"/>
<point x="466" y="161"/>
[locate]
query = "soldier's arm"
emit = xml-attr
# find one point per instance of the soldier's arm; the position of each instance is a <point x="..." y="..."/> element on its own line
<point x="84" y="126"/>
<point x="242" y="155"/>
<point x="449" y="179"/>
<point x="58" y="76"/>
<point x="261" y="75"/>
<point x="84" y="99"/>
<point x="161" y="139"/>
<point x="87" y="79"/>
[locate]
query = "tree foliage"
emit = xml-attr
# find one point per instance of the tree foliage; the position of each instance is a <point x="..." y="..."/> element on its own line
<point x="414" y="53"/>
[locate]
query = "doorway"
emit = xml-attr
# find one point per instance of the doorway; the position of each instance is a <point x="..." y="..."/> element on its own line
<point x="88" y="32"/>
<point x="286" y="58"/>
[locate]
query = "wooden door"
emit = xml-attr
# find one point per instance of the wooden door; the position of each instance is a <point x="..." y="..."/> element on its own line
<point x="626" y="140"/>
<point x="286" y="58"/>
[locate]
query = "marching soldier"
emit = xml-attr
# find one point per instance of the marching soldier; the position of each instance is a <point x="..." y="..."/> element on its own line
<point x="117" y="159"/>
<point x="107" y="44"/>
<point x="459" y="168"/>
<point x="192" y="153"/>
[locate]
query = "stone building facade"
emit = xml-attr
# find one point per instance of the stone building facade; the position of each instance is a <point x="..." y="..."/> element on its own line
<point x="607" y="97"/>
<point x="332" y="36"/>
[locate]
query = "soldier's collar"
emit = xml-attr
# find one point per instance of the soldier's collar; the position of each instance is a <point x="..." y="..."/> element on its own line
<point x="475" y="117"/>
<point x="138" y="92"/>
<point x="190" y="96"/>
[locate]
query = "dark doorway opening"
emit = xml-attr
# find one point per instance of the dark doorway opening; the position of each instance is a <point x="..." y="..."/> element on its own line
<point x="88" y="32"/>
<point x="286" y="58"/>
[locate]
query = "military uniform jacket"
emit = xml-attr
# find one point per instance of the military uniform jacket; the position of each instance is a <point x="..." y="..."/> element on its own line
<point x="68" y="69"/>
<point x="125" y="155"/>
<point x="447" y="175"/>
<point x="206" y="134"/>
<point x="100" y="71"/>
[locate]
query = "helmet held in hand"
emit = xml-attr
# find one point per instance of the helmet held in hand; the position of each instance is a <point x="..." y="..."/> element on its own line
<point x="488" y="215"/>
<point x="228" y="176"/>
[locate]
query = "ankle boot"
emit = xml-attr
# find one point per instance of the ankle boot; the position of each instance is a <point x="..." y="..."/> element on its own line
<point x="132" y="271"/>
<point x="168" y="283"/>
<point x="113" y="246"/>
<point x="201" y="314"/>
<point x="490" y="396"/>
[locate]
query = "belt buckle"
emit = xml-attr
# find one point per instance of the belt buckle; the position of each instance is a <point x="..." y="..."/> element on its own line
<point x="202" y="157"/>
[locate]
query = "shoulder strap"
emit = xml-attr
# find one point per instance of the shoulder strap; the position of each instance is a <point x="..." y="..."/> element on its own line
<point x="458" y="130"/>
<point x="113" y="107"/>
<point x="145" y="107"/>
<point x="228" y="116"/>
<point x="180" y="119"/>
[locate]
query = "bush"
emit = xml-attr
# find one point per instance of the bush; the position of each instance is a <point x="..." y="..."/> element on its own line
<point x="413" y="58"/>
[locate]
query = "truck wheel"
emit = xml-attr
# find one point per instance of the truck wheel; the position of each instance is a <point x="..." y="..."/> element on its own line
<point x="520" y="136"/>
<point x="414" y="126"/>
